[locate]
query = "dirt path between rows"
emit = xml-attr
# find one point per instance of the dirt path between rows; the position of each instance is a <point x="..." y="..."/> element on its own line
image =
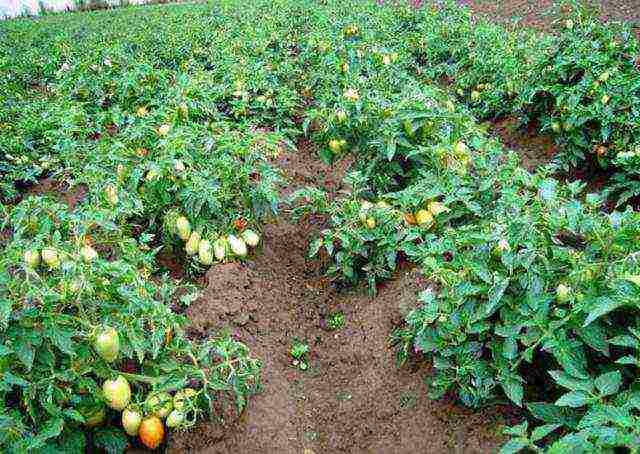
<point x="542" y="13"/>
<point x="352" y="399"/>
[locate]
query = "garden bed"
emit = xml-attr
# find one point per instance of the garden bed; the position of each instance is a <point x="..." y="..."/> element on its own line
<point x="352" y="399"/>
<point x="307" y="232"/>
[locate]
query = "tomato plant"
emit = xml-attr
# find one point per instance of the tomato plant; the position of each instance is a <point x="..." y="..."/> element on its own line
<point x="80" y="337"/>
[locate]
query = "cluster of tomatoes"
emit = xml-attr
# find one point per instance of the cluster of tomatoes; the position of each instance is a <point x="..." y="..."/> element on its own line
<point x="144" y="420"/>
<point x="220" y="249"/>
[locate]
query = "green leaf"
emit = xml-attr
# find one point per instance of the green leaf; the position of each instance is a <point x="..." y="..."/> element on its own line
<point x="50" y="429"/>
<point x="62" y="340"/>
<point x="500" y="284"/>
<point x="547" y="189"/>
<point x="572" y="443"/>
<point x="72" y="441"/>
<point x="111" y="439"/>
<point x="595" y="336"/>
<point x="602" y="306"/>
<point x="628" y="359"/>
<point x="391" y="149"/>
<point x="624" y="341"/>
<point x="513" y="388"/>
<point x="569" y="353"/>
<point x="609" y="383"/>
<point x="12" y="380"/>
<point x="552" y="414"/>
<point x="73" y="414"/>
<point x="602" y="415"/>
<point x="426" y="340"/>
<point x="25" y="352"/>
<point x="326" y="155"/>
<point x="514" y="446"/>
<point x="5" y="312"/>
<point x="315" y="246"/>
<point x="573" y="384"/>
<point x="573" y="399"/>
<point x="510" y="348"/>
<point x="517" y="431"/>
<point x="540" y="432"/>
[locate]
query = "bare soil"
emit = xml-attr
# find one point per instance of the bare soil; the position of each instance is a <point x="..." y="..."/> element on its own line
<point x="543" y="13"/>
<point x="61" y="191"/>
<point x="352" y="399"/>
<point x="534" y="149"/>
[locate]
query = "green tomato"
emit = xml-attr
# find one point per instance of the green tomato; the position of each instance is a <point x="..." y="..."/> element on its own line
<point x="251" y="238"/>
<point x="32" y="259"/>
<point x="107" y="344"/>
<point x="563" y="293"/>
<point x="175" y="419"/>
<point x="51" y="258"/>
<point x="131" y="420"/>
<point x="117" y="393"/>
<point x="183" y="226"/>
<point x="238" y="246"/>
<point x="205" y="253"/>
<point x="193" y="244"/>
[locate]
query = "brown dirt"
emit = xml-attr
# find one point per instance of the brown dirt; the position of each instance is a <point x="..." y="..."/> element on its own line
<point x="535" y="150"/>
<point x="352" y="399"/>
<point x="541" y="13"/>
<point x="527" y="12"/>
<point x="61" y="191"/>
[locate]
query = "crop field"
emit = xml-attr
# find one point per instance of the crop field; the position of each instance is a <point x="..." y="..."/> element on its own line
<point x="304" y="226"/>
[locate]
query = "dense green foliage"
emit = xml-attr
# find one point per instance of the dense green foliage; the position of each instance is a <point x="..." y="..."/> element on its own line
<point x="169" y="117"/>
<point x="581" y="85"/>
<point x="53" y="312"/>
<point x="146" y="120"/>
<point x="533" y="285"/>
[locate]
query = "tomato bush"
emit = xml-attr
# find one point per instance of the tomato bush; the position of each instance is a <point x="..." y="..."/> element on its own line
<point x="546" y="283"/>
<point x="70" y="322"/>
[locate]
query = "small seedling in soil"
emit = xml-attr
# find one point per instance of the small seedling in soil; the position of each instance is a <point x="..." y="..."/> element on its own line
<point x="408" y="400"/>
<point x="299" y="352"/>
<point x="336" y="320"/>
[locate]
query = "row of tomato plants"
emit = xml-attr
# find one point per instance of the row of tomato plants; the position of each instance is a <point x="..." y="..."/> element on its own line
<point x="163" y="143"/>
<point x="533" y="290"/>
<point x="533" y="285"/>
<point x="89" y="338"/>
<point x="579" y="84"/>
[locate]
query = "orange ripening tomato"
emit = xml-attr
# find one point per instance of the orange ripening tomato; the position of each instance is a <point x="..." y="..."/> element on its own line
<point x="151" y="432"/>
